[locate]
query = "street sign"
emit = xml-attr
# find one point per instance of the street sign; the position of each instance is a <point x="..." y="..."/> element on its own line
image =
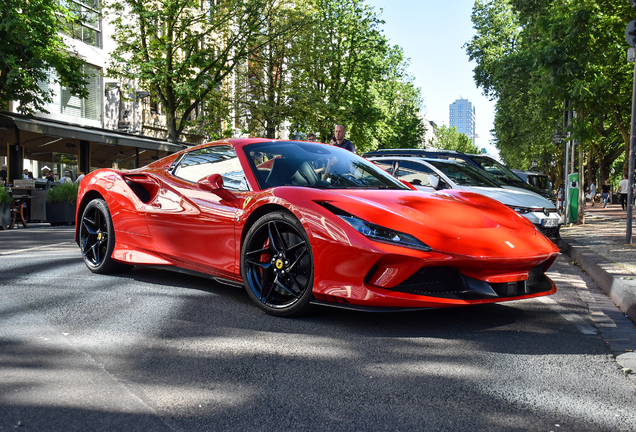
<point x="630" y="33"/>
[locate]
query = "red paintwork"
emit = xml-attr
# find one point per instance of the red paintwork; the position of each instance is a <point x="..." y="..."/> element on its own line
<point x="187" y="226"/>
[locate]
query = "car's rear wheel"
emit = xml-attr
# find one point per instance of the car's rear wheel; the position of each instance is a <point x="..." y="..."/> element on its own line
<point x="97" y="239"/>
<point x="277" y="265"/>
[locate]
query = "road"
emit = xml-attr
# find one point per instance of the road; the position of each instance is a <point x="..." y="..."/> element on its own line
<point x="154" y="350"/>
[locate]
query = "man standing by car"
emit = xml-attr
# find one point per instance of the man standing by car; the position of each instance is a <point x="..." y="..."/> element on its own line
<point x="623" y="187"/>
<point x="341" y="142"/>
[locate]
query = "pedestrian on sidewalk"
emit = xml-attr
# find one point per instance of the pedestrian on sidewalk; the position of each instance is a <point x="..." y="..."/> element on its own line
<point x="623" y="188"/>
<point x="605" y="193"/>
<point x="592" y="193"/>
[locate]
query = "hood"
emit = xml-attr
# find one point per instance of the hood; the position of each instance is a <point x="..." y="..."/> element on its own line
<point x="457" y="222"/>
<point x="515" y="197"/>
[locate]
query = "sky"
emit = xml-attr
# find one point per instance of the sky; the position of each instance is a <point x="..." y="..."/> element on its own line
<point x="432" y="33"/>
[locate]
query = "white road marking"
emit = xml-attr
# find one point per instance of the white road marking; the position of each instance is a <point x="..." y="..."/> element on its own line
<point x="575" y="319"/>
<point x="56" y="245"/>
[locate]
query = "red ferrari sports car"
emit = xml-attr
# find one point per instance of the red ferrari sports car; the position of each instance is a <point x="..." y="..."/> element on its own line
<point x="301" y="223"/>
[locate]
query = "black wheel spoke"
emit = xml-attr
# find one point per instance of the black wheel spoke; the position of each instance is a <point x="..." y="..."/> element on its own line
<point x="258" y="263"/>
<point x="265" y="284"/>
<point x="95" y="250"/>
<point x="276" y="240"/>
<point x="299" y="256"/>
<point x="257" y="254"/>
<point x="296" y="287"/>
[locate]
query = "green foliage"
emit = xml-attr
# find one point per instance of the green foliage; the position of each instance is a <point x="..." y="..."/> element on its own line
<point x="30" y="46"/>
<point x="184" y="51"/>
<point x="65" y="192"/>
<point x="532" y="55"/>
<point x="257" y="64"/>
<point x="399" y="104"/>
<point x="264" y="87"/>
<point x="346" y="72"/>
<point x="5" y="198"/>
<point x="449" y="138"/>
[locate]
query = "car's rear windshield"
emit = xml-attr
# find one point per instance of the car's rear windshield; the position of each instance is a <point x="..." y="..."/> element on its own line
<point x="293" y="163"/>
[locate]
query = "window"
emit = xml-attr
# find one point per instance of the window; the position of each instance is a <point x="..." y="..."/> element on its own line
<point x="387" y="166"/>
<point x="415" y="173"/>
<point x="87" y="26"/>
<point x="460" y="107"/>
<point x="204" y="162"/>
<point x="68" y="104"/>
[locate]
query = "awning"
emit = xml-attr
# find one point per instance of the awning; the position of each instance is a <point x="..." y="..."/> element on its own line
<point x="103" y="136"/>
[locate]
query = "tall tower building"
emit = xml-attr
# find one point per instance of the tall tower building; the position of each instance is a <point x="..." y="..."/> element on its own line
<point x="461" y="114"/>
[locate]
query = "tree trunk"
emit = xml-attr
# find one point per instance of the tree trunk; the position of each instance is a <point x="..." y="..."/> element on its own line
<point x="625" y="134"/>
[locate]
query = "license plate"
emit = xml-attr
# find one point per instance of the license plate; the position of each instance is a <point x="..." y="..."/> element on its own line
<point x="549" y="223"/>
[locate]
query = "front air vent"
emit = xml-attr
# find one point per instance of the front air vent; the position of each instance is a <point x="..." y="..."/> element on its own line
<point x="434" y="281"/>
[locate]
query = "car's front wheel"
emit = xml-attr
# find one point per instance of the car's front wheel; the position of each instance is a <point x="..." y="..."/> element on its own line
<point x="277" y="265"/>
<point x="97" y="239"/>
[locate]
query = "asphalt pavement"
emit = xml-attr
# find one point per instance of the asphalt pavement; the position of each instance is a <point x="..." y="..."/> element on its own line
<point x="154" y="350"/>
<point x="600" y="247"/>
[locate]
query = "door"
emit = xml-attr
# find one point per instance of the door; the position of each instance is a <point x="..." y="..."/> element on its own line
<point x="195" y="226"/>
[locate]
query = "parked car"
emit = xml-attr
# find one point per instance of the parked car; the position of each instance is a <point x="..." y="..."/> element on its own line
<point x="536" y="179"/>
<point x="439" y="174"/>
<point x="480" y="161"/>
<point x="301" y="223"/>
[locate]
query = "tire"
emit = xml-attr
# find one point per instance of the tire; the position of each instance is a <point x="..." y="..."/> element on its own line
<point x="97" y="239"/>
<point x="277" y="265"/>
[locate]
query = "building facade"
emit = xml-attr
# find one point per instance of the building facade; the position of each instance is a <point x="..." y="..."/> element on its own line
<point x="461" y="114"/>
<point x="115" y="126"/>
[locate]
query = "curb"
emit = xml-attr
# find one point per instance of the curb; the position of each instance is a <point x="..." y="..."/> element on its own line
<point x="620" y="286"/>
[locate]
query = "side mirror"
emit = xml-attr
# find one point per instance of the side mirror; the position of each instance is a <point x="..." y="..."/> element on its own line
<point x="434" y="181"/>
<point x="214" y="184"/>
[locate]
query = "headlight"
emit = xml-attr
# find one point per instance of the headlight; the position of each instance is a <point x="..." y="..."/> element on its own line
<point x="525" y="210"/>
<point x="384" y="235"/>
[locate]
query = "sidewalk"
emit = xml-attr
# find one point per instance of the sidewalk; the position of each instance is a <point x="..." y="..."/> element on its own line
<point x="599" y="247"/>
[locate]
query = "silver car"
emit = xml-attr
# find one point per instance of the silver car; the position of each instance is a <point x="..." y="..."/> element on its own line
<point x="437" y="174"/>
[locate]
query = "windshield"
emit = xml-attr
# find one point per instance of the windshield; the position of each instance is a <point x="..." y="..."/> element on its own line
<point x="463" y="175"/>
<point x="495" y="168"/>
<point x="291" y="163"/>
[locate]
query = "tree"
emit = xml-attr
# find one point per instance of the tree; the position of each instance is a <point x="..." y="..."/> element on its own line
<point x="334" y="69"/>
<point x="346" y="72"/>
<point x="449" y="138"/>
<point x="534" y="55"/>
<point x="264" y="85"/>
<point x="399" y="104"/>
<point x="31" y="45"/>
<point x="185" y="51"/>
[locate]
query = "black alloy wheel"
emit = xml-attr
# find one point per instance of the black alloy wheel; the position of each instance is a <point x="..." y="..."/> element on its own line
<point x="97" y="239"/>
<point x="277" y="265"/>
